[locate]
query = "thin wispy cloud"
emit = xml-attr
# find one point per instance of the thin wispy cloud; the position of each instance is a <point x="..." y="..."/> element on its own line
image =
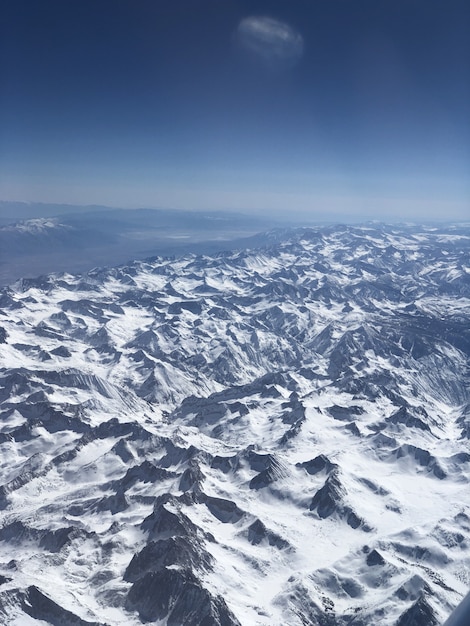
<point x="272" y="43"/>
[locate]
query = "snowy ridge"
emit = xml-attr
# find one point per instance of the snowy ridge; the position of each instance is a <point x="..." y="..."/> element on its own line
<point x="272" y="436"/>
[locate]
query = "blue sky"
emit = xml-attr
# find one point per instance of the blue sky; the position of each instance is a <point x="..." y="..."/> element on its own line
<point x="357" y="109"/>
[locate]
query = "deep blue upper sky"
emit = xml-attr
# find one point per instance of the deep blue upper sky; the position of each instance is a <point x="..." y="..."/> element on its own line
<point x="356" y="107"/>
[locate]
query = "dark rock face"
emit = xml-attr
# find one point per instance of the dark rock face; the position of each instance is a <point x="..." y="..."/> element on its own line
<point x="264" y="462"/>
<point x="403" y="416"/>
<point x="186" y="552"/>
<point x="39" y="606"/>
<point x="193" y="306"/>
<point x="272" y="471"/>
<point x="419" y="614"/>
<point x="318" y="464"/>
<point x="49" y="540"/>
<point x="328" y="498"/>
<point x="163" y="523"/>
<point x="423" y="457"/>
<point x="345" y="413"/>
<point x="178" y="596"/>
<point x="192" y="477"/>
<point x="61" y="351"/>
<point x="55" y="540"/>
<point x="225" y="511"/>
<point x="115" y="503"/>
<point x="146" y="472"/>
<point x="375" y="558"/>
<point x="225" y="463"/>
<point x="257" y="533"/>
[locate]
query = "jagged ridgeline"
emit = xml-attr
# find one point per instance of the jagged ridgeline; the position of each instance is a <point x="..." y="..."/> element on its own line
<point x="276" y="436"/>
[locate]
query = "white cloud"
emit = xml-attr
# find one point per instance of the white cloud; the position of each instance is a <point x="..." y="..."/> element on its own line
<point x="269" y="41"/>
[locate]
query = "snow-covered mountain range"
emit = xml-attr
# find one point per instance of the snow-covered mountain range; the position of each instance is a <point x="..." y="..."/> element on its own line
<point x="275" y="436"/>
<point x="87" y="237"/>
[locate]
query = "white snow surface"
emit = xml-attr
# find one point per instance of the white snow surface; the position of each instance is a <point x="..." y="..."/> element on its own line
<point x="285" y="428"/>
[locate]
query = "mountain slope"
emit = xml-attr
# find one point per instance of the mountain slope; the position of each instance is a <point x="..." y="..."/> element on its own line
<point x="271" y="436"/>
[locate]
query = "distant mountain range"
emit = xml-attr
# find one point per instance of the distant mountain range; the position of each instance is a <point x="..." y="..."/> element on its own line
<point x="270" y="436"/>
<point x="39" y="239"/>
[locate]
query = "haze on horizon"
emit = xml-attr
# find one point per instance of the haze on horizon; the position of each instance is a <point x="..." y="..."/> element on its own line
<point x="338" y="107"/>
